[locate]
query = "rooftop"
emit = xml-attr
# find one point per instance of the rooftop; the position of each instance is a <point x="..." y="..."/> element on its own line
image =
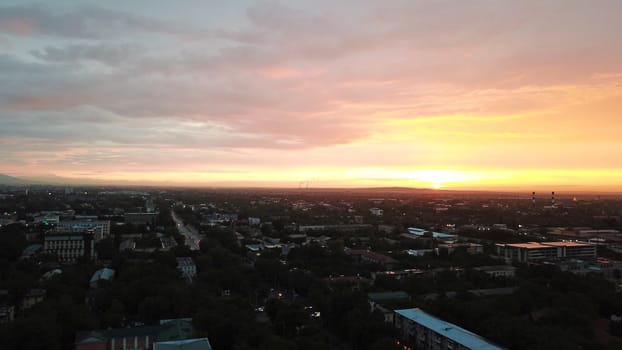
<point x="102" y="274"/>
<point x="448" y="330"/>
<point x="372" y="255"/>
<point x="529" y="245"/>
<point x="185" y="261"/>
<point x="187" y="344"/>
<point x="383" y="296"/>
<point x="566" y="244"/>
<point x="496" y="268"/>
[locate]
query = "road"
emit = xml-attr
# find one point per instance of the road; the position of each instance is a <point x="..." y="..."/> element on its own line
<point x="193" y="237"/>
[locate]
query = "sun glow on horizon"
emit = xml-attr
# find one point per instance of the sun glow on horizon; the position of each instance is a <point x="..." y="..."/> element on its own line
<point x="447" y="179"/>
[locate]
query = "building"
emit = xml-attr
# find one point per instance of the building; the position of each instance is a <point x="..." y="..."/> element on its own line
<point x="371" y="257"/>
<point x="69" y="247"/>
<point x="337" y="228"/>
<point x="100" y="228"/>
<point x="574" y="250"/>
<point x="397" y="274"/>
<point x="471" y="248"/>
<point x="187" y="344"/>
<point x="498" y="270"/>
<point x="135" y="338"/>
<point x="425" y="233"/>
<point x="536" y="252"/>
<point x="187" y="267"/>
<point x="31" y="251"/>
<point x="149" y="206"/>
<point x="420" y="252"/>
<point x="376" y="211"/>
<point x="421" y="331"/>
<point x="7" y="313"/>
<point x="104" y="274"/>
<point x="33" y="297"/>
<point x="140" y="218"/>
<point x="383" y="302"/>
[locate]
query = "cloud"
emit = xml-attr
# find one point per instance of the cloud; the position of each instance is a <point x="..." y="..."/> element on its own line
<point x="85" y="22"/>
<point x="285" y="79"/>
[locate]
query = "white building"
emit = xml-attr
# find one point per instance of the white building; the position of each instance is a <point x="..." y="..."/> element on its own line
<point x="534" y="251"/>
<point x="100" y="228"/>
<point x="419" y="330"/>
<point x="68" y="247"/>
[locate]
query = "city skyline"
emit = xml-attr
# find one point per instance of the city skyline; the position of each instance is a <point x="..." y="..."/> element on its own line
<point x="482" y="95"/>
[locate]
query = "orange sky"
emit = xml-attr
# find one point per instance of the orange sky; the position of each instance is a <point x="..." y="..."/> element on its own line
<point x="484" y="95"/>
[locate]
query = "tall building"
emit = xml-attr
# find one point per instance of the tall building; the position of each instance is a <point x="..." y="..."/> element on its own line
<point x="69" y="247"/>
<point x="421" y="331"/>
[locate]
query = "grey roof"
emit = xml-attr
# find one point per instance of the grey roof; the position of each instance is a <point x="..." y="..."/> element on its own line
<point x="105" y="334"/>
<point x="448" y="330"/>
<point x="102" y="274"/>
<point x="384" y="296"/>
<point x="168" y="330"/>
<point x="496" y="268"/>
<point x="185" y="261"/>
<point x="187" y="344"/>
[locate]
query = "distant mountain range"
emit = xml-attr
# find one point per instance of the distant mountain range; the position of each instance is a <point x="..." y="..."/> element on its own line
<point x="53" y="180"/>
<point x="12" y="181"/>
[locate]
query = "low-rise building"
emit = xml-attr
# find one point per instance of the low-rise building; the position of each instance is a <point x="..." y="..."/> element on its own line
<point x="386" y="302"/>
<point x="420" y="232"/>
<point x="498" y="270"/>
<point x="422" y="331"/>
<point x="537" y="252"/>
<point x="100" y="228"/>
<point x="143" y="337"/>
<point x="140" y="218"/>
<point x="376" y="211"/>
<point x="187" y="267"/>
<point x="31" y="251"/>
<point x="33" y="297"/>
<point x="186" y="344"/>
<point x="371" y="257"/>
<point x="397" y="274"/>
<point x="69" y="247"/>
<point x="104" y="274"/>
<point x="7" y="313"/>
<point x="471" y="248"/>
<point x="574" y="250"/>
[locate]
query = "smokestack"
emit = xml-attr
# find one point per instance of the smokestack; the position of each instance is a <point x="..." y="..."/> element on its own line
<point x="552" y="199"/>
<point x="533" y="199"/>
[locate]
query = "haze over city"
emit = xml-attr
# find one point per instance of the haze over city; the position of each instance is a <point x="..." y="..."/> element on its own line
<point x="441" y="94"/>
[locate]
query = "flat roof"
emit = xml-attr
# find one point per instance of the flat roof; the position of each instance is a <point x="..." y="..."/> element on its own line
<point x="449" y="330"/>
<point x="185" y="261"/>
<point x="384" y="296"/>
<point x="529" y="245"/>
<point x="186" y="344"/>
<point x="567" y="244"/>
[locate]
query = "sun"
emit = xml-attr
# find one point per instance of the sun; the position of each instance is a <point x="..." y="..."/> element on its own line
<point x="436" y="186"/>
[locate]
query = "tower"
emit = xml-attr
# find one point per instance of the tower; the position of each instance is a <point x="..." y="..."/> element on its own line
<point x="552" y="199"/>
<point x="533" y="199"/>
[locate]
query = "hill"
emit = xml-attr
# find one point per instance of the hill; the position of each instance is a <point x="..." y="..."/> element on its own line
<point x="12" y="181"/>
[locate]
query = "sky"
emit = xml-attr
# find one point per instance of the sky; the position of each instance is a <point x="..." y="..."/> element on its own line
<point x="435" y="94"/>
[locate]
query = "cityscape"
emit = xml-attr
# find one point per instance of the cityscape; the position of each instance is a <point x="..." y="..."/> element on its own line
<point x="310" y="175"/>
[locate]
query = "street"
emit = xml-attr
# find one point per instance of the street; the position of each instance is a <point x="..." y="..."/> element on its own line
<point x="192" y="234"/>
